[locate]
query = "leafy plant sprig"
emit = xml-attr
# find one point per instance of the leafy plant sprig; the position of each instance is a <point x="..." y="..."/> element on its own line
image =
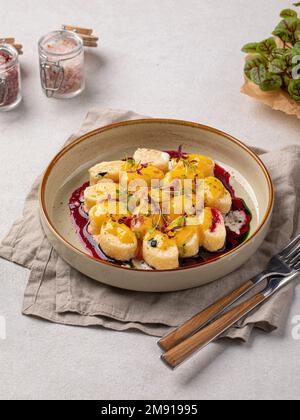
<point x="271" y="63"/>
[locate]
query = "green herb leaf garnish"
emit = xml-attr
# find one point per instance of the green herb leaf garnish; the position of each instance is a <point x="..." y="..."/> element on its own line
<point x="102" y="174"/>
<point x="153" y="243"/>
<point x="294" y="89"/>
<point x="277" y="66"/>
<point x="258" y="74"/>
<point x="271" y="83"/>
<point x="286" y="13"/>
<point x="266" y="47"/>
<point x="250" y="48"/>
<point x="272" y="63"/>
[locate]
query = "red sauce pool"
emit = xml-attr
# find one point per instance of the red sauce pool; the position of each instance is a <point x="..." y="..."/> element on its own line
<point x="81" y="223"/>
<point x="215" y="220"/>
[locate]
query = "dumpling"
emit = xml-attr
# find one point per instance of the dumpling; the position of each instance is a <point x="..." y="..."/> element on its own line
<point x="104" y="190"/>
<point x="212" y="230"/>
<point x="187" y="241"/>
<point x="135" y="173"/>
<point x="216" y="195"/>
<point x="160" y="252"/>
<point x="154" y="157"/>
<point x="206" y="164"/>
<point x="117" y="241"/>
<point x="105" y="170"/>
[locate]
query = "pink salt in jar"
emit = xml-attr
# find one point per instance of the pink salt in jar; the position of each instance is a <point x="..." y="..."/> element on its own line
<point x="62" y="64"/>
<point x="10" y="80"/>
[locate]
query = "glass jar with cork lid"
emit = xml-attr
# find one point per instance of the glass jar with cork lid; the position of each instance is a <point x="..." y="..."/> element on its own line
<point x="10" y="80"/>
<point x="62" y="64"/>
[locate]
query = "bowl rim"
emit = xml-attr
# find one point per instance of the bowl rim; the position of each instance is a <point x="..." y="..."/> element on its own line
<point x="81" y="139"/>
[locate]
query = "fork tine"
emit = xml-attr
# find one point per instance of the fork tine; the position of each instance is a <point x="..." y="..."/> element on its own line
<point x="294" y="260"/>
<point x="290" y="247"/>
<point x="297" y="266"/>
<point x="292" y="254"/>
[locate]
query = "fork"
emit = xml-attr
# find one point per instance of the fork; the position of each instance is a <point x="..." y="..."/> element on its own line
<point x="280" y="266"/>
<point x="177" y="355"/>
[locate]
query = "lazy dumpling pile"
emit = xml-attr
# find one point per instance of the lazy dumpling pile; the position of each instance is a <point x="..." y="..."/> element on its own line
<point x="164" y="237"/>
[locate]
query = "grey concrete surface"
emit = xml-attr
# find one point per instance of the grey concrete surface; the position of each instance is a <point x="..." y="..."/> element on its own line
<point x="163" y="58"/>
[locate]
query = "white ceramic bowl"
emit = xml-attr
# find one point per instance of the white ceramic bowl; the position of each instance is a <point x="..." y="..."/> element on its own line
<point x="68" y="171"/>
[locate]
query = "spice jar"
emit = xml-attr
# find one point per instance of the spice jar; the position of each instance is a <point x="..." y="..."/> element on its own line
<point x="10" y="81"/>
<point x="62" y="64"/>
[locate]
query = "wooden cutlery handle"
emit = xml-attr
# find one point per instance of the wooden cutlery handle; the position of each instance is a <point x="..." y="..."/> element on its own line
<point x="187" y="348"/>
<point x="199" y="320"/>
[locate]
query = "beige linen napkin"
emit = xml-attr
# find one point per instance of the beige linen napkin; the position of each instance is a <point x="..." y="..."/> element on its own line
<point x="58" y="293"/>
